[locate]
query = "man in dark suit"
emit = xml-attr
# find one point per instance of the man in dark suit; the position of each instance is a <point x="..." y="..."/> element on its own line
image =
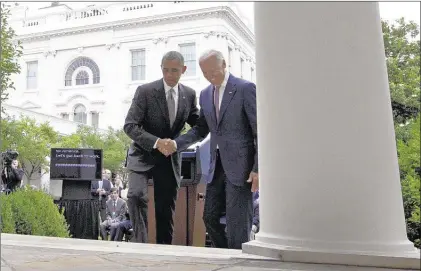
<point x="228" y="112"/>
<point x="159" y="110"/>
<point x="101" y="190"/>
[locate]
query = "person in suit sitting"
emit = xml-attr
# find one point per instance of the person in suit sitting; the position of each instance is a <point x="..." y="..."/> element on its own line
<point x="101" y="190"/>
<point x="228" y="113"/>
<point x="115" y="213"/>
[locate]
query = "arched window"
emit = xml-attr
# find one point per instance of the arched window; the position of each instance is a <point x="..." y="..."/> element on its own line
<point x="79" y="114"/>
<point x="82" y="78"/>
<point x="82" y="62"/>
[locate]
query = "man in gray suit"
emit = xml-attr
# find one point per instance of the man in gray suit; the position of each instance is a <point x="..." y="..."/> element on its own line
<point x="159" y="110"/>
<point x="228" y="112"/>
<point x="115" y="213"/>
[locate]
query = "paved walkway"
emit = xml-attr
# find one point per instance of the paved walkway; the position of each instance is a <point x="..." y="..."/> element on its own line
<point x="27" y="253"/>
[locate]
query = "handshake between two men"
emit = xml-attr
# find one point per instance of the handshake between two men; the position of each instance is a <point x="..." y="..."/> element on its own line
<point x="166" y="146"/>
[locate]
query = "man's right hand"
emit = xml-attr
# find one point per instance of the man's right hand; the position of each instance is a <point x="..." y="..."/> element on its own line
<point x="166" y="146"/>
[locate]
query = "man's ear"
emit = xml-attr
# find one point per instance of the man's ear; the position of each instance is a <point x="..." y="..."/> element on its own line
<point x="224" y="64"/>
<point x="184" y="69"/>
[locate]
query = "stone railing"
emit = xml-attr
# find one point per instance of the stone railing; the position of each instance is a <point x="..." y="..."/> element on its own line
<point x="136" y="6"/>
<point x="85" y="13"/>
<point x="113" y="11"/>
<point x="34" y="22"/>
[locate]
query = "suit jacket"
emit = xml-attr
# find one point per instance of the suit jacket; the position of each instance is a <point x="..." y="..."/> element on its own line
<point x="148" y="119"/>
<point x="235" y="133"/>
<point x="106" y="185"/>
<point x="120" y="211"/>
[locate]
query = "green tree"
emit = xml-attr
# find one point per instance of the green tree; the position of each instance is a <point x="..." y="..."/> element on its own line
<point x="114" y="144"/>
<point x="11" y="50"/>
<point x="33" y="142"/>
<point x="402" y="51"/>
<point x="409" y="162"/>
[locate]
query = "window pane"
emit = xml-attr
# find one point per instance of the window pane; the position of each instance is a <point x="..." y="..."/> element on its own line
<point x="31" y="75"/>
<point x="188" y="51"/>
<point x="82" y="78"/>
<point x="79" y="62"/>
<point x="95" y="119"/>
<point x="138" y="65"/>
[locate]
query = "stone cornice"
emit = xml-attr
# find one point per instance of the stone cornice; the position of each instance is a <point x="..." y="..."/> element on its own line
<point x="222" y="12"/>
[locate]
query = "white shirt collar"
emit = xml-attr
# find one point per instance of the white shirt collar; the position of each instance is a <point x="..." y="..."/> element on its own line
<point x="224" y="83"/>
<point x="167" y="88"/>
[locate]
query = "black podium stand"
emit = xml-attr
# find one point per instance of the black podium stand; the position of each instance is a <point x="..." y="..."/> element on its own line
<point x="80" y="209"/>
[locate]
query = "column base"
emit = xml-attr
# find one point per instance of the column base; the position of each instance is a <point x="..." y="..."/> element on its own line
<point x="410" y="260"/>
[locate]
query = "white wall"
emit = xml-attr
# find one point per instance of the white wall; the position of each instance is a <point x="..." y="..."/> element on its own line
<point x="110" y="49"/>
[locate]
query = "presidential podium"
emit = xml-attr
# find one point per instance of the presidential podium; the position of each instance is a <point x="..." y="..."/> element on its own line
<point x="189" y="228"/>
<point x="77" y="168"/>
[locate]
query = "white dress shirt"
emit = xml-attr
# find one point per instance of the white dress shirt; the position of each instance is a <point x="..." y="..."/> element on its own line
<point x="221" y="93"/>
<point x="175" y="96"/>
<point x="222" y="88"/>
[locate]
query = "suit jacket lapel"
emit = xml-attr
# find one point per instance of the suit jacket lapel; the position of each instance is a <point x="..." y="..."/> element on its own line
<point x="159" y="95"/>
<point x="229" y="93"/>
<point x="181" y="107"/>
<point x="211" y="104"/>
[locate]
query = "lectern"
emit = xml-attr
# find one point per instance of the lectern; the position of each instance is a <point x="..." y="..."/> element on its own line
<point x="77" y="168"/>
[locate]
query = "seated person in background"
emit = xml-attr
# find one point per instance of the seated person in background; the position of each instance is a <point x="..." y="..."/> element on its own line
<point x="256" y="219"/>
<point x="115" y="213"/>
<point x="123" y="228"/>
<point x="118" y="183"/>
<point x="101" y="190"/>
<point x="123" y="193"/>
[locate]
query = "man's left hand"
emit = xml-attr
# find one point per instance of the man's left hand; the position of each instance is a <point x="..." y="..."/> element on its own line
<point x="254" y="180"/>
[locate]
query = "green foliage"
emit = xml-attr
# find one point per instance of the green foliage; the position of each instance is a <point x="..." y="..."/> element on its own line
<point x="114" y="144"/>
<point x="10" y="52"/>
<point x="403" y="65"/>
<point x="186" y="128"/>
<point x="32" y="212"/>
<point x="33" y="142"/>
<point x="409" y="160"/>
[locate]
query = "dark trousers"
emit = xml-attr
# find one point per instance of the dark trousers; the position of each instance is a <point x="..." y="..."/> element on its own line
<point x="223" y="197"/>
<point x="122" y="229"/>
<point x="165" y="195"/>
<point x="102" y="214"/>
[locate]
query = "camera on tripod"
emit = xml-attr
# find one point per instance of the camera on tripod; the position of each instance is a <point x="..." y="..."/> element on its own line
<point x="9" y="178"/>
<point x="8" y="156"/>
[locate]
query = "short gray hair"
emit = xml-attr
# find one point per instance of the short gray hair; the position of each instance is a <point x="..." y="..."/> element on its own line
<point x="173" y="55"/>
<point x="212" y="52"/>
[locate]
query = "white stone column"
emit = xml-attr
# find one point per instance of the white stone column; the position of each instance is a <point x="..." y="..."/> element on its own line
<point x="330" y="190"/>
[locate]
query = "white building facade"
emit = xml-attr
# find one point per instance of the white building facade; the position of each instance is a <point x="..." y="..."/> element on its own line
<point x="84" y="65"/>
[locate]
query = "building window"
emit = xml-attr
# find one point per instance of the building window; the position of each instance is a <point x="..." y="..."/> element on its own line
<point x="79" y="114"/>
<point x="188" y="51"/>
<point x="32" y="75"/>
<point x="82" y="62"/>
<point x="229" y="58"/>
<point x="242" y="68"/>
<point x="82" y="78"/>
<point x="64" y="116"/>
<point x="95" y="119"/>
<point x="138" y="65"/>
